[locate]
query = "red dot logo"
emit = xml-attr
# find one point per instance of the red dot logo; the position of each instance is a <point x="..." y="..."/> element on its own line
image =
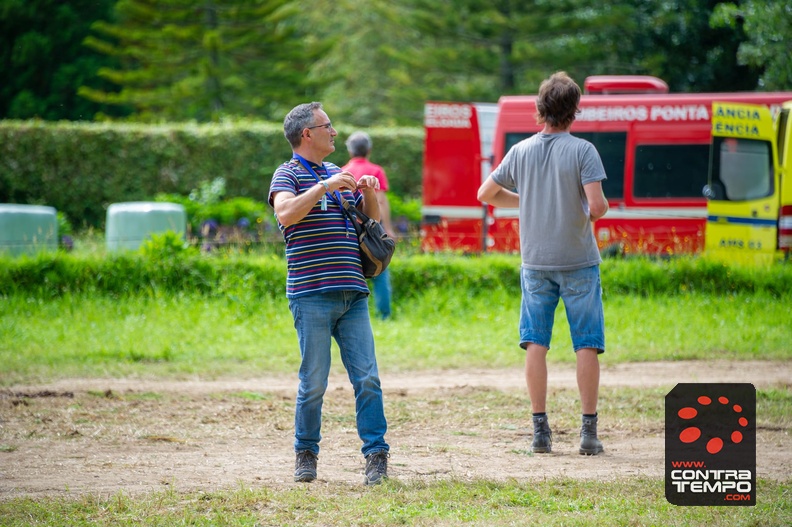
<point x="693" y="433"/>
<point x="688" y="413"/>
<point x="690" y="435"/>
<point x="714" y="445"/>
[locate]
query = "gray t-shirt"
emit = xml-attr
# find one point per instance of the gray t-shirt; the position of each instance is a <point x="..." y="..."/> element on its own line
<point x="548" y="171"/>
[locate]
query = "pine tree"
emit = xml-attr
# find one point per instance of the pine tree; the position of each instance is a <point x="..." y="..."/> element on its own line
<point x="768" y="44"/>
<point x="43" y="61"/>
<point x="203" y="60"/>
<point x="393" y="56"/>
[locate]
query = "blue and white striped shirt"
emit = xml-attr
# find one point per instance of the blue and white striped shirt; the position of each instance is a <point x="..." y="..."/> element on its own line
<point x="322" y="251"/>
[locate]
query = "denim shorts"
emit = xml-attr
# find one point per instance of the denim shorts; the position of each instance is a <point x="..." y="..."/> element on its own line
<point x="581" y="291"/>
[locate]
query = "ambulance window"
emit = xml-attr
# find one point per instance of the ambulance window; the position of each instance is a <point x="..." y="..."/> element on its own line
<point x="513" y="138"/>
<point x="611" y="147"/>
<point x="743" y="167"/>
<point x="670" y="171"/>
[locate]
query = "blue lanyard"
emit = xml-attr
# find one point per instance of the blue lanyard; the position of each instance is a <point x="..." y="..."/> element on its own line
<point x="336" y="197"/>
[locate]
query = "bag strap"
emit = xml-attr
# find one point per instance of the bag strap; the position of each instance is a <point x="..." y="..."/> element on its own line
<point x="346" y="206"/>
<point x="336" y="196"/>
<point x="349" y="207"/>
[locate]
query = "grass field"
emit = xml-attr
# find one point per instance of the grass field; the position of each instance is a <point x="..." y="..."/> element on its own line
<point x="563" y="502"/>
<point x="208" y="337"/>
<point x="192" y="336"/>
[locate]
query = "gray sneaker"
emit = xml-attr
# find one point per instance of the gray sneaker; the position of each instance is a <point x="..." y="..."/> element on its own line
<point x="376" y="467"/>
<point x="305" y="466"/>
<point x="589" y="444"/>
<point x="543" y="437"/>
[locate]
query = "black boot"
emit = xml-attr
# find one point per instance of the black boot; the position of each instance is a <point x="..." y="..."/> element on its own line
<point x="543" y="437"/>
<point x="589" y="444"/>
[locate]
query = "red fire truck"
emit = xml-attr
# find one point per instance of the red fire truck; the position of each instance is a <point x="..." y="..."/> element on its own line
<point x="655" y="147"/>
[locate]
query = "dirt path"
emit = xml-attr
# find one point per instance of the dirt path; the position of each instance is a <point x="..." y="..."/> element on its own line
<point x="104" y="436"/>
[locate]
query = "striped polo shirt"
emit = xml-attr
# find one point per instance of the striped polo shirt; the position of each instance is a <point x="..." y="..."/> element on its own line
<point x="322" y="252"/>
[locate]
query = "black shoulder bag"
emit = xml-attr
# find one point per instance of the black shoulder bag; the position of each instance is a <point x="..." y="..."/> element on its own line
<point x="376" y="247"/>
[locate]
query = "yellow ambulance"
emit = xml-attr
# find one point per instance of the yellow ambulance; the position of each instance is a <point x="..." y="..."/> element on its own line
<point x="749" y="193"/>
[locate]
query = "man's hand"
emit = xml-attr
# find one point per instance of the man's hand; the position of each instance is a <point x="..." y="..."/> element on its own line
<point x="342" y="181"/>
<point x="368" y="183"/>
<point x="368" y="186"/>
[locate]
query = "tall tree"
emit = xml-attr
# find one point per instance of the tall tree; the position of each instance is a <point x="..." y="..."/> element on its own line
<point x="674" y="41"/>
<point x="768" y="45"/>
<point x="43" y="61"/>
<point x="387" y="58"/>
<point x="202" y="59"/>
<point x="357" y="72"/>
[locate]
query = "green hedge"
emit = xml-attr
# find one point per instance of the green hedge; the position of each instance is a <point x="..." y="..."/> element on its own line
<point x="47" y="276"/>
<point x="638" y="276"/>
<point x="81" y="168"/>
<point x="55" y="274"/>
<point x="693" y="274"/>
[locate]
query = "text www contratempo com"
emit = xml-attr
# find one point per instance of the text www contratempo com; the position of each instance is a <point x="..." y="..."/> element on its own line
<point x="688" y="464"/>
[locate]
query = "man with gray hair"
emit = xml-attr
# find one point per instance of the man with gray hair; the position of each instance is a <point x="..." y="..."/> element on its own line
<point x="359" y="147"/>
<point x="328" y="295"/>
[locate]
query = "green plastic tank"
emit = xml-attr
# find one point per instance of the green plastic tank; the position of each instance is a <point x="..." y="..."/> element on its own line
<point x="27" y="229"/>
<point x="130" y="224"/>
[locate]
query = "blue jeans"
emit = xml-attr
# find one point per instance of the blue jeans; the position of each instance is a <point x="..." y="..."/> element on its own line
<point x="343" y="316"/>
<point x="581" y="292"/>
<point x="382" y="293"/>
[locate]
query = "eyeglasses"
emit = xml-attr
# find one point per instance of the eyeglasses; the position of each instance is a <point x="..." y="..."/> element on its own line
<point x="326" y="126"/>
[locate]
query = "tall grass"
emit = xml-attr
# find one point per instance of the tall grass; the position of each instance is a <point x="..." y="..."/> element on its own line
<point x="553" y="502"/>
<point x="246" y="335"/>
<point x="124" y="316"/>
<point x="161" y="267"/>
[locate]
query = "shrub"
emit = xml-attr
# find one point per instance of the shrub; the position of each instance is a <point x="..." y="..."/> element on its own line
<point x="80" y="168"/>
<point x="166" y="245"/>
<point x="168" y="268"/>
<point x="245" y="218"/>
<point x="405" y="213"/>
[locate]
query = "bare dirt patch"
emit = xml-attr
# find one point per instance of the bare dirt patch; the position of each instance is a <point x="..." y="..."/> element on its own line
<point x="104" y="436"/>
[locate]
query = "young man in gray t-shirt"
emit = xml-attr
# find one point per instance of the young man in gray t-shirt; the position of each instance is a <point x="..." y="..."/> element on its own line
<point x="555" y="179"/>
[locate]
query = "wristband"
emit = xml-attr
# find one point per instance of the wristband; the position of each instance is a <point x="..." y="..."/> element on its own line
<point x="325" y="185"/>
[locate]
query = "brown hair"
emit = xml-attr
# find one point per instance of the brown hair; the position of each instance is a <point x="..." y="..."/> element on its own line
<point x="558" y="101"/>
